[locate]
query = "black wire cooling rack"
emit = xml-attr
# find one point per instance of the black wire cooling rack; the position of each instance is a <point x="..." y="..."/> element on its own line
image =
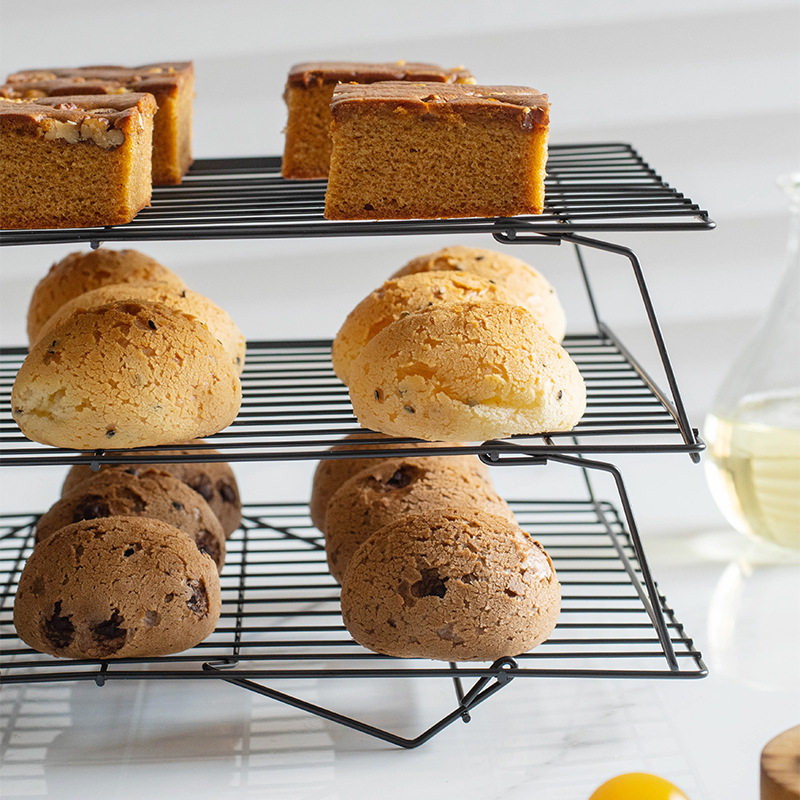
<point x="590" y="187"/>
<point x="294" y="407"/>
<point x="281" y="619"/>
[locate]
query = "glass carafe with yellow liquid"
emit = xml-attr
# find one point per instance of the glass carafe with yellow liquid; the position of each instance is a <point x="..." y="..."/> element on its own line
<point x="753" y="430"/>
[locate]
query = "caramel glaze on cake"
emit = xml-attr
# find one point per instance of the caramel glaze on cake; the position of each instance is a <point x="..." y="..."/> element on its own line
<point x="75" y="161"/>
<point x="425" y="150"/>
<point x="309" y="88"/>
<point x="171" y="83"/>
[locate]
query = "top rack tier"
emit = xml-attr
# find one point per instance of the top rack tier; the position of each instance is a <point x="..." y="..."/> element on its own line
<point x="589" y="188"/>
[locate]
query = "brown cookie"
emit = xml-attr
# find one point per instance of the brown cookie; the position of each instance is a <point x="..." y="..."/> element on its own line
<point x="330" y="474"/>
<point x="450" y="585"/>
<point x="118" y="587"/>
<point x="81" y="272"/>
<point x="149" y="493"/>
<point x="395" y="488"/>
<point x="213" y="480"/>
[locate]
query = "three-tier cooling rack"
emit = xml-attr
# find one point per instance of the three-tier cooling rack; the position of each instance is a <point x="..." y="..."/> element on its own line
<point x="280" y="618"/>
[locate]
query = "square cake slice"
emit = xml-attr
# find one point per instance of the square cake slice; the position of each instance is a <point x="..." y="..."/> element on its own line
<point x="171" y="83"/>
<point x="308" y="92"/>
<point x="75" y="161"/>
<point x="405" y="150"/>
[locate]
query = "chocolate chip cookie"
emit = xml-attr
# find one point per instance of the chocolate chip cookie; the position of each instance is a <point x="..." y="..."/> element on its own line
<point x="213" y="480"/>
<point x="395" y="488"/>
<point x="149" y="493"/>
<point x="330" y="474"/>
<point x="450" y="585"/>
<point x="117" y="587"/>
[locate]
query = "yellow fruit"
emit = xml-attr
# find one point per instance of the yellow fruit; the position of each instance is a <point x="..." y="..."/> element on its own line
<point x="638" y="786"/>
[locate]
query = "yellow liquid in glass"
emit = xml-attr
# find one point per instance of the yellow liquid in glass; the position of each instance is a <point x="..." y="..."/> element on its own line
<point x="753" y="468"/>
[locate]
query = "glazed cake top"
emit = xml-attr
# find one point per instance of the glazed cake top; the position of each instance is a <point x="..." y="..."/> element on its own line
<point x="104" y="79"/>
<point x="102" y="119"/>
<point x="25" y="90"/>
<point x="314" y="73"/>
<point x="527" y="106"/>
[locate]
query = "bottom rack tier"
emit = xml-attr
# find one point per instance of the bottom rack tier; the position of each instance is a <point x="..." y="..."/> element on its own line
<point x="281" y="618"/>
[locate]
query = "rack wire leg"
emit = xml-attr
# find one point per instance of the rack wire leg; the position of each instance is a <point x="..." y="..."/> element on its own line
<point x="503" y="673"/>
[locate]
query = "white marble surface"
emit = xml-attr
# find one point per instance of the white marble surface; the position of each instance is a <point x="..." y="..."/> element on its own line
<point x="677" y="74"/>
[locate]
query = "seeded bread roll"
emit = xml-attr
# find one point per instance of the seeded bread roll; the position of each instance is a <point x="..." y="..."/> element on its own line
<point x="397" y="487"/>
<point x="81" y="272"/>
<point x="125" y="375"/>
<point x="119" y="587"/>
<point x="529" y="287"/>
<point x="467" y="372"/>
<point x="218" y="321"/>
<point x="400" y="296"/>
<point x="214" y="481"/>
<point x="330" y="474"/>
<point x="150" y="493"/>
<point x="450" y="585"/>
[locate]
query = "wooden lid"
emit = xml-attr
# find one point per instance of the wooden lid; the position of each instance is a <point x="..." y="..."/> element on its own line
<point x="780" y="767"/>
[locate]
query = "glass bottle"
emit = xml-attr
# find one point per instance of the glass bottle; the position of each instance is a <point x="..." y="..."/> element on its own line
<point x="753" y="430"/>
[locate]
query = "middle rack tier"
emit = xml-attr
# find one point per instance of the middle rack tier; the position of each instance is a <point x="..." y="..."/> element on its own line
<point x="294" y="407"/>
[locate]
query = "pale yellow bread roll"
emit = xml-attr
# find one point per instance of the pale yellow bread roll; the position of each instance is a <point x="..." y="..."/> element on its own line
<point x="81" y="272"/>
<point x="454" y="585"/>
<point x="529" y="286"/>
<point x="400" y="296"/>
<point x="467" y="372"/>
<point x="126" y="374"/>
<point x="196" y="305"/>
<point x="331" y="473"/>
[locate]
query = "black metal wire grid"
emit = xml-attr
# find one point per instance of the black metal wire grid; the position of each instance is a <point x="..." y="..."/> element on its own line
<point x="281" y="618"/>
<point x="294" y="407"/>
<point x="590" y="187"/>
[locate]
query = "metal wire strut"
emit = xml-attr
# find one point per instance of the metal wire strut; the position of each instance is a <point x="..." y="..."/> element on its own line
<point x="482" y="689"/>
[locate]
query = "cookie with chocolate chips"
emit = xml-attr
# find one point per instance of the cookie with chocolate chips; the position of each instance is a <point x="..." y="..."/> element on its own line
<point x="397" y="487"/>
<point x="149" y="493"/>
<point x="330" y="474"/>
<point x="117" y="587"/>
<point x="213" y="480"/>
<point x="453" y="585"/>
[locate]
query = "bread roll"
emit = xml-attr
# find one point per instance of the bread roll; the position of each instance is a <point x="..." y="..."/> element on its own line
<point x="125" y="375"/>
<point x="218" y="321"/>
<point x="467" y="372"/>
<point x="81" y="272"/>
<point x="331" y="473"/>
<point x="529" y="287"/>
<point x="118" y="587"/>
<point x="400" y="296"/>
